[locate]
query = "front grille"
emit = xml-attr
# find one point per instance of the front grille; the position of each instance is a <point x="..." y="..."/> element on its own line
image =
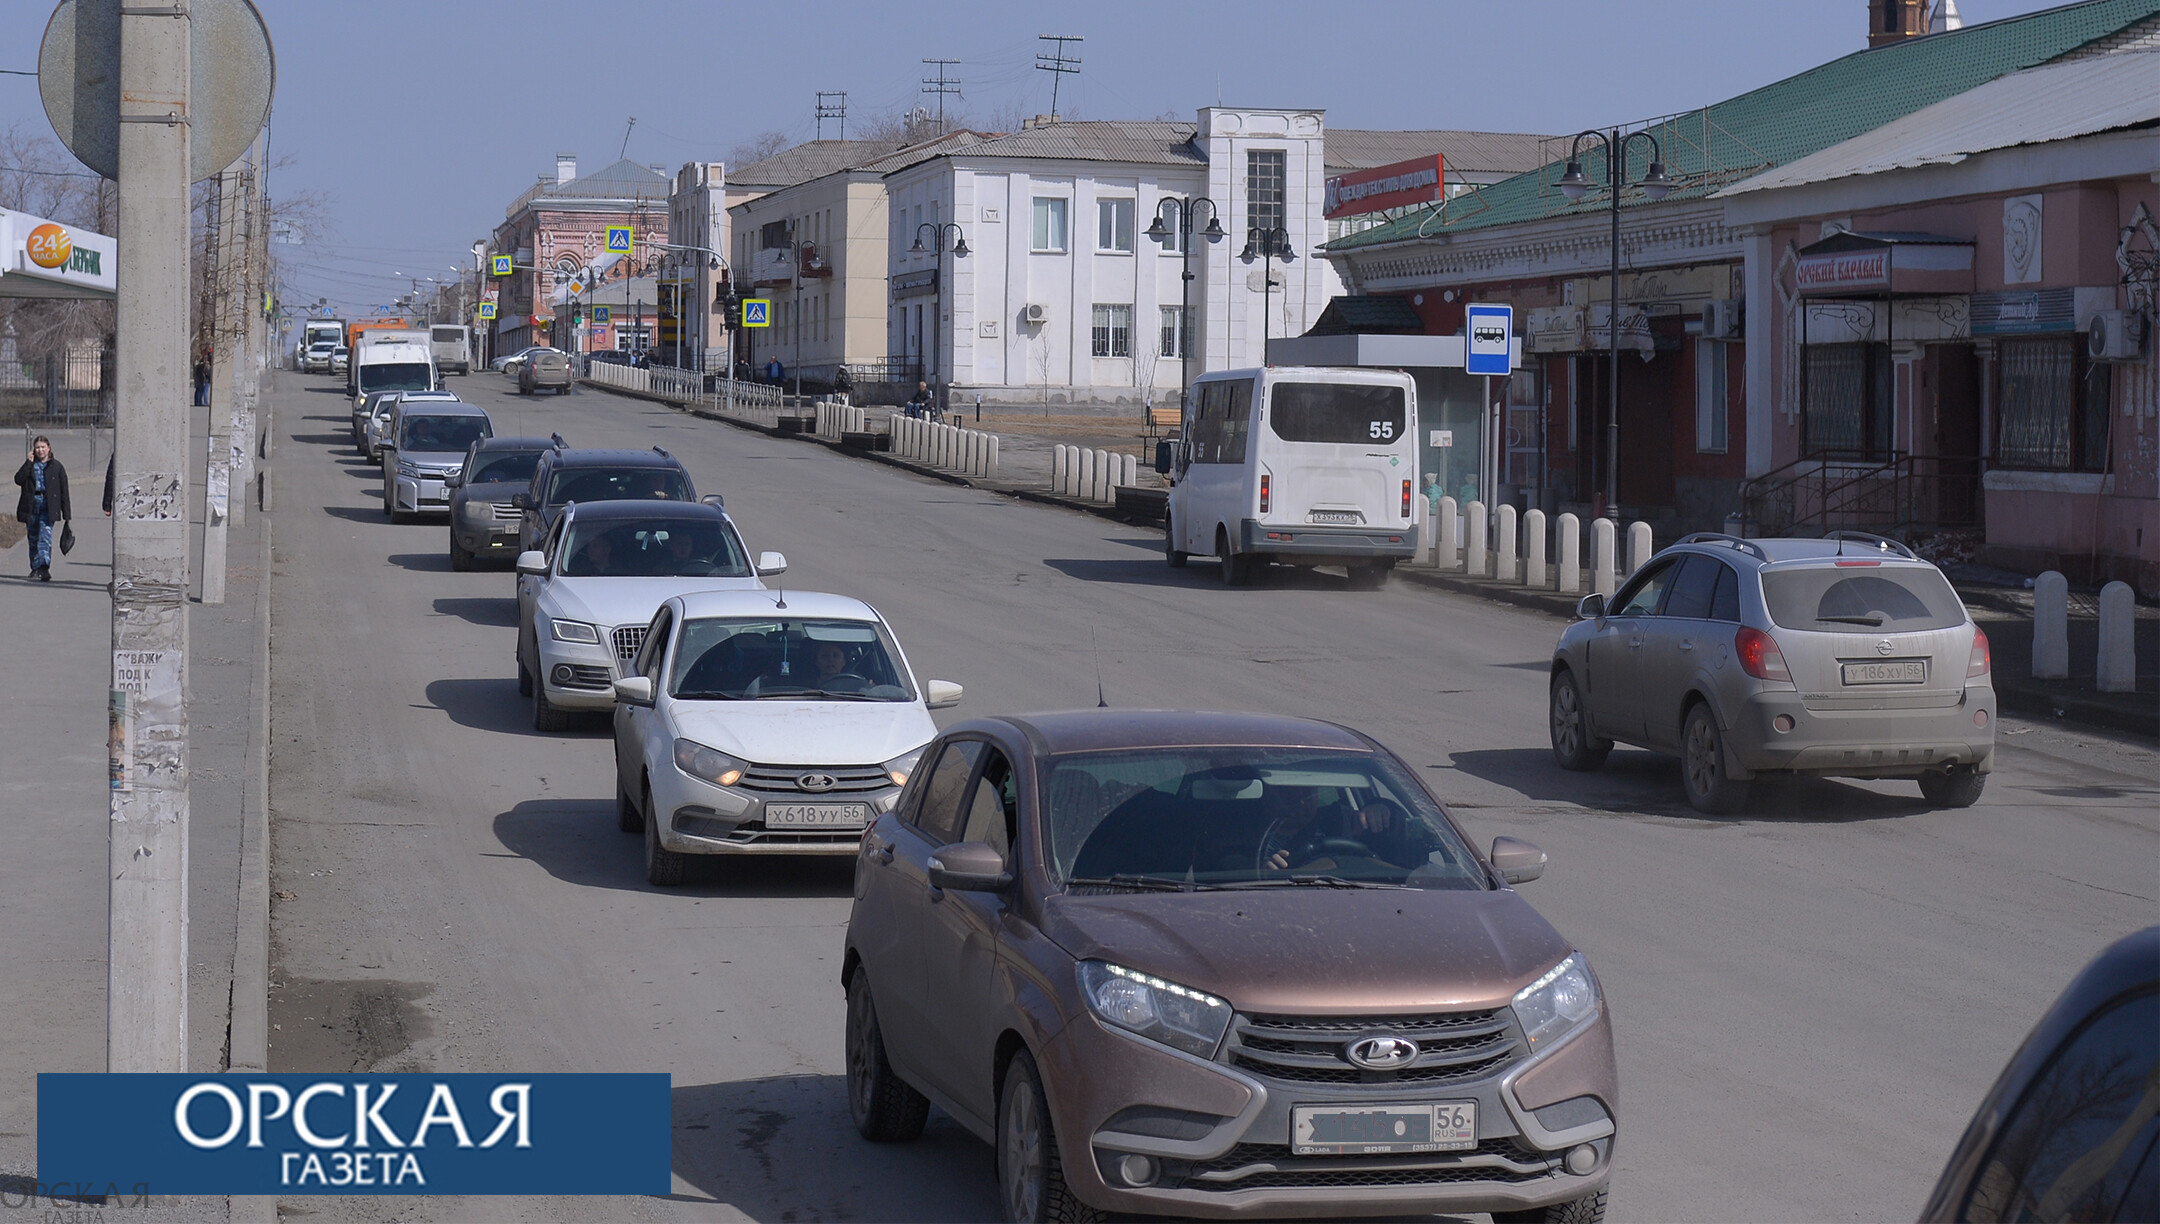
<point x="504" y="512"/>
<point x="588" y="677"/>
<point x="787" y="779"/>
<point x="1271" y="1166"/>
<point x="755" y="834"/>
<point x="1453" y="1047"/>
<point x="627" y="640"/>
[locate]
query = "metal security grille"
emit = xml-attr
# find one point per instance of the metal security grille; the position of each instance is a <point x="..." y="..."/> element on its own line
<point x="1453" y="1046"/>
<point x="2047" y="418"/>
<point x="1264" y="188"/>
<point x="1847" y="407"/>
<point x="627" y="640"/>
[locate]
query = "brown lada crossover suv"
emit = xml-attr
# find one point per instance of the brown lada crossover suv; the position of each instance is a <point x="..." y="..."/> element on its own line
<point x="1219" y="965"/>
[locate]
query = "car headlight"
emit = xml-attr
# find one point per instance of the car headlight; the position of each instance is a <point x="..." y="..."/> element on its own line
<point x="407" y="469"/>
<point x="901" y="766"/>
<point x="712" y="765"/>
<point x="1177" y="1016"/>
<point x="575" y="631"/>
<point x="1558" y="1002"/>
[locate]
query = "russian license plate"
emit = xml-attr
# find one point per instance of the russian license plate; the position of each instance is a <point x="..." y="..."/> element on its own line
<point x="1888" y="671"/>
<point x="816" y="815"/>
<point x="503" y="528"/>
<point x="1350" y="517"/>
<point x="1377" y="1130"/>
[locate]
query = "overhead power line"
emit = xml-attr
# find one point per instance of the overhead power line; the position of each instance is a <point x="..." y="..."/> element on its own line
<point x="941" y="86"/>
<point x="1057" y="63"/>
<point x="832" y="110"/>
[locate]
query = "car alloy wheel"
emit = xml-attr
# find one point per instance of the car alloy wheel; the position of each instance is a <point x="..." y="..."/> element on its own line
<point x="1031" y="1178"/>
<point x="1170" y="551"/>
<point x="885" y="1108"/>
<point x="1702" y="766"/>
<point x="1572" y="744"/>
<point x="664" y="868"/>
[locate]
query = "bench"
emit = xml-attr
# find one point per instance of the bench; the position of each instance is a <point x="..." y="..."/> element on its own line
<point x="1161" y="421"/>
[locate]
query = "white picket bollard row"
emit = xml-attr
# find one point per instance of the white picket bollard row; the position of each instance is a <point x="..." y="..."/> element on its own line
<point x="1085" y="473"/>
<point x="971" y="452"/>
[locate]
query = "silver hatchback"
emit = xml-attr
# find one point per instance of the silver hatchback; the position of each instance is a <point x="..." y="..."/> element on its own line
<point x="1846" y="656"/>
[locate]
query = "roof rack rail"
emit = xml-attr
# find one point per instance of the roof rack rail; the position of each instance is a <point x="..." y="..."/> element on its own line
<point x="1718" y="537"/>
<point x="556" y="438"/>
<point x="1881" y="543"/>
<point x="662" y="453"/>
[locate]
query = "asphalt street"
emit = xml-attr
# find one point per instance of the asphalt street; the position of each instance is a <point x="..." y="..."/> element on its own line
<point x="1809" y="998"/>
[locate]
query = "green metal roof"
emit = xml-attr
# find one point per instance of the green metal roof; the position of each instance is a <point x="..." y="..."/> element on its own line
<point x="1712" y="148"/>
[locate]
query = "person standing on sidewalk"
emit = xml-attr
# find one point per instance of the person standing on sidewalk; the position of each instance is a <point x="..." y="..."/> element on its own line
<point x="202" y="380"/>
<point x="43" y="502"/>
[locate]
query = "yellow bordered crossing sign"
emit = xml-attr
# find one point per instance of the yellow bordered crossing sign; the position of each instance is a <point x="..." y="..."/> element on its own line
<point x="600" y="314"/>
<point x="487" y="310"/>
<point x="618" y="239"/>
<point x="499" y="265"/>
<point x="756" y="312"/>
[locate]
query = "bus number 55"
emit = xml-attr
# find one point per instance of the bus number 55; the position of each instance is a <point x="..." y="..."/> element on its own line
<point x="1381" y="429"/>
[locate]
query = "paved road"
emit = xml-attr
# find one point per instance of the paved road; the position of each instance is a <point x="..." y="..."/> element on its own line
<point x="1810" y="999"/>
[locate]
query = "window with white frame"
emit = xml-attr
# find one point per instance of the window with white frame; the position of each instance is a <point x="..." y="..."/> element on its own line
<point x="1113" y="330"/>
<point x="1710" y="407"/>
<point x="1114" y="225"/>
<point x="1050" y="223"/>
<point x="1264" y="180"/>
<point x="1174" y="329"/>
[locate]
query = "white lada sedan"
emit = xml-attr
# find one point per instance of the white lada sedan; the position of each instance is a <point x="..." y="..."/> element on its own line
<point x="765" y="723"/>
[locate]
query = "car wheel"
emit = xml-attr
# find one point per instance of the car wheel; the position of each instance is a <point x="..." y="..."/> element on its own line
<point x="460" y="557"/>
<point x="628" y="817"/>
<point x="1236" y="570"/>
<point x="663" y="867"/>
<point x="525" y="678"/>
<point x="1170" y="551"/>
<point x="885" y="1108"/>
<point x="546" y="717"/>
<point x="1572" y="744"/>
<point x="1702" y="766"/>
<point x="1031" y="1177"/>
<point x="1956" y="787"/>
<point x="1589" y="1209"/>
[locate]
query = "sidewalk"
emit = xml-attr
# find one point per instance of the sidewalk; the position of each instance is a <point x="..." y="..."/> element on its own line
<point x="53" y="895"/>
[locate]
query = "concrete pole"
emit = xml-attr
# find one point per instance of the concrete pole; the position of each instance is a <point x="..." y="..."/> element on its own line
<point x="1533" y="530"/>
<point x="2116" y="671"/>
<point x="1602" y="578"/>
<point x="1448" y="553"/>
<point x="221" y="267"/>
<point x="147" y="932"/>
<point x="1639" y="545"/>
<point x="1504" y="566"/>
<point x="253" y="255"/>
<point x="1474" y="539"/>
<point x="2051" y="627"/>
<point x="1569" y="534"/>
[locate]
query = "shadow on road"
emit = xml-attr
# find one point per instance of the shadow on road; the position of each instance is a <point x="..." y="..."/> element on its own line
<point x="1648" y="783"/>
<point x="577" y="842"/>
<point x="425" y="563"/>
<point x="1150" y="571"/>
<point x="784" y="1148"/>
<point x="357" y="514"/>
<point x="494" y="705"/>
<point x="341" y="438"/>
<point x="496" y="612"/>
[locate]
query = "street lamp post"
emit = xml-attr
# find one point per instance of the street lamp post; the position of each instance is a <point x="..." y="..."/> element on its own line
<point x="1159" y="232"/>
<point x="1575" y="185"/>
<point x="937" y="246"/>
<point x="1267" y="245"/>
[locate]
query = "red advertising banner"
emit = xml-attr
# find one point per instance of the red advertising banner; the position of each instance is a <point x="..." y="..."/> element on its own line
<point x="1416" y="181"/>
<point x="1843" y="270"/>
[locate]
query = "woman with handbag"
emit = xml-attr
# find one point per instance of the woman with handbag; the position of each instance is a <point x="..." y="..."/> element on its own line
<point x="43" y="502"/>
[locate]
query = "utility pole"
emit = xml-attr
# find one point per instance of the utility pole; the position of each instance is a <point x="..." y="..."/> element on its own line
<point x="255" y="232"/>
<point x="1057" y="64"/>
<point x="832" y="110"/>
<point x="222" y="280"/>
<point x="146" y="984"/>
<point x="941" y="86"/>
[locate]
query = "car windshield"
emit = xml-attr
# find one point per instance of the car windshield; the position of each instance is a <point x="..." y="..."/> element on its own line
<point x="797" y="658"/>
<point x="504" y="467"/>
<point x="1246" y="818"/>
<point x="618" y="484"/>
<point x="442" y="433"/>
<point x="1336" y="412"/>
<point x="1859" y="597"/>
<point x="653" y="548"/>
<point x="396" y="376"/>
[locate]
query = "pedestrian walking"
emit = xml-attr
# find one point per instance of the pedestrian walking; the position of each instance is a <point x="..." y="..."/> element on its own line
<point x="775" y="373"/>
<point x="43" y="502"/>
<point x="202" y="381"/>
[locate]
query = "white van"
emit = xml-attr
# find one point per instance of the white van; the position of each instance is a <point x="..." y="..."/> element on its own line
<point x="452" y="345"/>
<point x="392" y="361"/>
<point x="1298" y="465"/>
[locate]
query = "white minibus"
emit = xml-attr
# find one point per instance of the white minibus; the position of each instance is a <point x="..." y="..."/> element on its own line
<point x="1295" y="465"/>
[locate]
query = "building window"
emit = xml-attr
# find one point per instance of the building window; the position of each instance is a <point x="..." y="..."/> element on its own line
<point x="773" y="235"/>
<point x="1113" y="225"/>
<point x="1113" y="331"/>
<point x="1264" y="188"/>
<point x="1050" y="223"/>
<point x="2054" y="405"/>
<point x="1846" y="406"/>
<point x="1711" y="415"/>
<point x="1172" y="213"/>
<point x="1175" y="327"/>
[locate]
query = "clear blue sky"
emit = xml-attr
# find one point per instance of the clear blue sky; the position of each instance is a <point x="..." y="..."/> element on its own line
<point x="417" y="121"/>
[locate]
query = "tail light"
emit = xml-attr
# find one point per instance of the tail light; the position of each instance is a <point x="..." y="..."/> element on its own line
<point x="1406" y="499"/>
<point x="1760" y="656"/>
<point x="1266" y="493"/>
<point x="1981" y="662"/>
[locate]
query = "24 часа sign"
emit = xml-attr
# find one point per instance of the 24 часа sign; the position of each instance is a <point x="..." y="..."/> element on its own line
<point x="358" y="1134"/>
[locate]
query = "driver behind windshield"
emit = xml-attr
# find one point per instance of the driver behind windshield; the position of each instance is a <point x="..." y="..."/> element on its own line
<point x="1300" y="829"/>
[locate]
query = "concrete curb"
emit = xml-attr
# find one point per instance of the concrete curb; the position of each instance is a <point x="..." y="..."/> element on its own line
<point x="247" y="1036"/>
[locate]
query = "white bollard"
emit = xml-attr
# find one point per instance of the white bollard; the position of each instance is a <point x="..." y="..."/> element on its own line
<point x="1474" y="539"/>
<point x="1058" y="463"/>
<point x="1533" y="531"/>
<point x="1602" y="578"/>
<point x="1567" y="532"/>
<point x="1132" y="471"/>
<point x="1101" y="489"/>
<point x="1639" y="545"/>
<point x="2117" y="669"/>
<point x="1504" y="532"/>
<point x="1448" y="553"/>
<point x="990" y="460"/>
<point x="1086" y="484"/>
<point x="2051" y="627"/>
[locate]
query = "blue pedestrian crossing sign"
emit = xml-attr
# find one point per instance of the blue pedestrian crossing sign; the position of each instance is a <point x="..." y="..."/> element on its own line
<point x="499" y="265"/>
<point x="618" y="239"/>
<point x="754" y="312"/>
<point x="599" y="314"/>
<point x="487" y="310"/>
<point x="1489" y="348"/>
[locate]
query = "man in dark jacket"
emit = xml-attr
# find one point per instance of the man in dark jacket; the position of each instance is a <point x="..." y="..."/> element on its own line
<point x="43" y="502"/>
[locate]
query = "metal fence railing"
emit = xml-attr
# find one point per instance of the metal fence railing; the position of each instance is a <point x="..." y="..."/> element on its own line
<point x="713" y="393"/>
<point x="58" y="389"/>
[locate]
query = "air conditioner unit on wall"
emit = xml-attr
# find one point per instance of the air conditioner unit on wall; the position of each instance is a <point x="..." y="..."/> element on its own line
<point x="2115" y="335"/>
<point x="1035" y="312"/>
<point x="1723" y="318"/>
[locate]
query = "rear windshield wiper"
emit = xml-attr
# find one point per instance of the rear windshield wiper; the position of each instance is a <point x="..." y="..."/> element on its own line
<point x="1138" y="883"/>
<point x="1871" y="619"/>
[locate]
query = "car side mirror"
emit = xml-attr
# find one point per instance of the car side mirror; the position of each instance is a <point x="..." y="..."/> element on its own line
<point x="969" y="867"/>
<point x="1164" y="450"/>
<point x="1590" y="607"/>
<point x="532" y="562"/>
<point x="1517" y="861"/>
<point x="942" y="694"/>
<point x="522" y="501"/>
<point x="713" y="500"/>
<point x="453" y="480"/>
<point x="771" y="563"/>
<point x="634" y="690"/>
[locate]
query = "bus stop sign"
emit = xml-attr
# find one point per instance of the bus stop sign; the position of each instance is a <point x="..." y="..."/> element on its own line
<point x="1488" y="350"/>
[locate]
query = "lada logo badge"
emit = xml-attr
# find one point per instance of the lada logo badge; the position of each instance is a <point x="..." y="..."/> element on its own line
<point x="1884" y="647"/>
<point x="1381" y="1053"/>
<point x="817" y="782"/>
